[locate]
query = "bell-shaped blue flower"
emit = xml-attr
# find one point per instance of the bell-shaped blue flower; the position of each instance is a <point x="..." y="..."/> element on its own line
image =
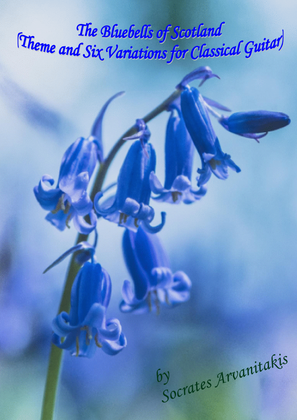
<point x="154" y="282"/>
<point x="86" y="327"/>
<point x="205" y="140"/>
<point x="70" y="200"/>
<point x="179" y="150"/>
<point x="130" y="206"/>
<point x="254" y="124"/>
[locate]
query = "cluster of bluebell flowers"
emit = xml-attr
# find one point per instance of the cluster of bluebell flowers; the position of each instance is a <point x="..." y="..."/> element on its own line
<point x="153" y="284"/>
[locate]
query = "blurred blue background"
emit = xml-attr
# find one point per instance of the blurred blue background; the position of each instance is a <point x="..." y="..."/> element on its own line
<point x="238" y="244"/>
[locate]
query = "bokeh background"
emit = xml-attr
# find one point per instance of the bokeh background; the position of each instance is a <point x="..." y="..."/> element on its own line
<point x="238" y="244"/>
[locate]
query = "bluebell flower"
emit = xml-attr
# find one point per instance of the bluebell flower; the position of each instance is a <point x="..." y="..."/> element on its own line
<point x="205" y="140"/>
<point x="70" y="200"/>
<point x="179" y="150"/>
<point x="130" y="205"/>
<point x="154" y="282"/>
<point x="86" y="327"/>
<point x="252" y="124"/>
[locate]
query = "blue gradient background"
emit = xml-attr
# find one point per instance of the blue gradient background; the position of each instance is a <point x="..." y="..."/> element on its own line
<point x="238" y="245"/>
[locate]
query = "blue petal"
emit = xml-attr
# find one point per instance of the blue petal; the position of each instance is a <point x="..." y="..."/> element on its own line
<point x="150" y="252"/>
<point x="181" y="183"/>
<point x="181" y="282"/>
<point x="198" y="122"/>
<point x="106" y="288"/>
<point x="191" y="195"/>
<point x="60" y="218"/>
<point x="92" y="285"/>
<point x="180" y="290"/>
<point x="61" y="326"/>
<point x="82" y="226"/>
<point x="80" y="157"/>
<point x="130" y="207"/>
<point x="145" y="212"/>
<point x="204" y="175"/>
<point x="133" y="180"/>
<point x="130" y="302"/>
<point x="156" y="185"/>
<point x="80" y="199"/>
<point x="112" y="331"/>
<point x="46" y="196"/>
<point x="68" y="344"/>
<point x="139" y="275"/>
<point x="178" y="149"/>
<point x="109" y="206"/>
<point x="87" y="348"/>
<point x="154" y="229"/>
<point x="135" y="306"/>
<point x="181" y="191"/>
<point x="225" y="158"/>
<point x="161" y="277"/>
<point x="219" y="168"/>
<point x="95" y="316"/>
<point x="114" y="347"/>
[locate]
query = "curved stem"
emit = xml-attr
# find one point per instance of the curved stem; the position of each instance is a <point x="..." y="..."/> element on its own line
<point x="55" y="359"/>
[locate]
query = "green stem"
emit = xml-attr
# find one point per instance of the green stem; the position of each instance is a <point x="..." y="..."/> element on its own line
<point x="55" y="359"/>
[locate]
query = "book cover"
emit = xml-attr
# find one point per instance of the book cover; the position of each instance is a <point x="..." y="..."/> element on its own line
<point x="188" y="315"/>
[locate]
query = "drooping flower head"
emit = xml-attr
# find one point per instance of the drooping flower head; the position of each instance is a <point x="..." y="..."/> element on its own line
<point x="179" y="150"/>
<point x="195" y="113"/>
<point x="154" y="282"/>
<point x="70" y="199"/>
<point x="130" y="206"/>
<point x="86" y="327"/>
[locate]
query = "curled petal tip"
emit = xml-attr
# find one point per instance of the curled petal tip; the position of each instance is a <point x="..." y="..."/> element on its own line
<point x="120" y="94"/>
<point x="98" y="195"/>
<point x="97" y="126"/>
<point x="203" y="73"/>
<point x="208" y="77"/>
<point x="155" y="229"/>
